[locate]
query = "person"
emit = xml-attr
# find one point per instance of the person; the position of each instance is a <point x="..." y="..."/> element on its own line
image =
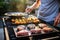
<point x="48" y="11"/>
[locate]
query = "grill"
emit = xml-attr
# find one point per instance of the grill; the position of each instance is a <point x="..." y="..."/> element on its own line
<point x="11" y="31"/>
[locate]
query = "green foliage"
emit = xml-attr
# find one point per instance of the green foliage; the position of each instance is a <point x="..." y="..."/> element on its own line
<point x="17" y="5"/>
<point x="2" y="7"/>
<point x="12" y="5"/>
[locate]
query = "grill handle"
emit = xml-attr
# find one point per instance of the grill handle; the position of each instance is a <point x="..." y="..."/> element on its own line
<point x="4" y="24"/>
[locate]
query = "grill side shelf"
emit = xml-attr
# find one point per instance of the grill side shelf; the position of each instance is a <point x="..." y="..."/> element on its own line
<point x="11" y="33"/>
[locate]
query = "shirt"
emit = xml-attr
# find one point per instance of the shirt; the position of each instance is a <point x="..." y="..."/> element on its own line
<point x="48" y="10"/>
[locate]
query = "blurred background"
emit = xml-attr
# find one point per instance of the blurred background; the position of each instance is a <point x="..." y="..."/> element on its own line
<point x="14" y="5"/>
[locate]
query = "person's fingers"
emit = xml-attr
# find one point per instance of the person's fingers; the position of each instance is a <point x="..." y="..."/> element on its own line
<point x="28" y="10"/>
<point x="56" y="21"/>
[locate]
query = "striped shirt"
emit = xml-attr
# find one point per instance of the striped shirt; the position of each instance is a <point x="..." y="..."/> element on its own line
<point x="48" y="10"/>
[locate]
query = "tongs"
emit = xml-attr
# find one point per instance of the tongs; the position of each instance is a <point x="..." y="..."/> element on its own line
<point x="28" y="13"/>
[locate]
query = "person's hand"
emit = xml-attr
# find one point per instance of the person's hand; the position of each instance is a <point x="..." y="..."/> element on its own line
<point x="28" y="10"/>
<point x="57" y="20"/>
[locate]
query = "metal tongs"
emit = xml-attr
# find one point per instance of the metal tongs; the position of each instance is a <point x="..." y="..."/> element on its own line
<point x="28" y="13"/>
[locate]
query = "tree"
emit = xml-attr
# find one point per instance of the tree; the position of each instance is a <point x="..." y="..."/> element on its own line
<point x="3" y="8"/>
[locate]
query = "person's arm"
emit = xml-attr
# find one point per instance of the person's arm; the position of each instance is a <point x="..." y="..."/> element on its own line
<point x="57" y="19"/>
<point x="36" y="4"/>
